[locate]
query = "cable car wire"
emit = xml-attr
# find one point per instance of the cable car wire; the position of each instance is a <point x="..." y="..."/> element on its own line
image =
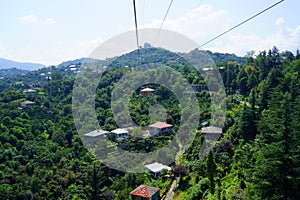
<point x="161" y="25"/>
<point x="243" y="22"/>
<point x="136" y="29"/>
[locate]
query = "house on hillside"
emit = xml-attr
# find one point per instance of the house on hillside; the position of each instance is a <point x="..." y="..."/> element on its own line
<point x="121" y="133"/>
<point x="29" y="91"/>
<point x="211" y="132"/>
<point x="147" y="92"/>
<point x="195" y="88"/>
<point x="160" y="129"/>
<point x="156" y="168"/>
<point x="93" y="137"/>
<point x="26" y="103"/>
<point x="145" y="192"/>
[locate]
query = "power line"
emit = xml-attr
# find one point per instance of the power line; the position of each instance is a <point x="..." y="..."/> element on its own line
<point x="167" y="12"/>
<point x="136" y="29"/>
<point x="243" y="22"/>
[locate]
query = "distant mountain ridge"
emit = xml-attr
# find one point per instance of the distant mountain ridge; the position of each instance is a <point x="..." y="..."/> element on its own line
<point x="217" y="57"/>
<point x="8" y="64"/>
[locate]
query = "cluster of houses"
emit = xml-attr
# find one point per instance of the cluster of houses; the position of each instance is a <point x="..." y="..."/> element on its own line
<point x="27" y="103"/>
<point x="121" y="134"/>
<point x="73" y="68"/>
<point x="155" y="129"/>
<point x="145" y="192"/>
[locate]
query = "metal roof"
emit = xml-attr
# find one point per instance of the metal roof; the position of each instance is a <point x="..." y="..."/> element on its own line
<point x="157" y="167"/>
<point x="96" y="133"/>
<point x="120" y="131"/>
<point x="211" y="129"/>
<point x="147" y="90"/>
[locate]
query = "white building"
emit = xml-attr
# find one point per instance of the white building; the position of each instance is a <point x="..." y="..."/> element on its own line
<point x="29" y="91"/>
<point x="26" y="103"/>
<point x="120" y="133"/>
<point x="156" y="168"/>
<point x="147" y="92"/>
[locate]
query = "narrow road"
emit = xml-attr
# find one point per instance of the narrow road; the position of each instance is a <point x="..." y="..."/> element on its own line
<point x="171" y="192"/>
<point x="175" y="183"/>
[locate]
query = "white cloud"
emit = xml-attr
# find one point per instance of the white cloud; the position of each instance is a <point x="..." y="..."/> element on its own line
<point x="285" y="39"/>
<point x="199" y="24"/>
<point x="31" y="18"/>
<point x="204" y="22"/>
<point x="280" y="21"/>
<point x="87" y="47"/>
<point x="49" y="21"/>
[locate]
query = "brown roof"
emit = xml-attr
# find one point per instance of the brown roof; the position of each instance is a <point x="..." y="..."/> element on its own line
<point x="160" y="125"/>
<point x="144" y="191"/>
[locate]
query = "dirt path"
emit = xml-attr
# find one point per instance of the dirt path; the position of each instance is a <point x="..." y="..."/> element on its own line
<point x="171" y="192"/>
<point x="175" y="183"/>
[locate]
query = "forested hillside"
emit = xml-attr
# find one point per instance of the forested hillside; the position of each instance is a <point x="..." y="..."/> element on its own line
<point x="257" y="157"/>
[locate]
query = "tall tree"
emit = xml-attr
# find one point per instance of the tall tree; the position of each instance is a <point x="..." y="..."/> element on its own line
<point x="211" y="168"/>
<point x="277" y="161"/>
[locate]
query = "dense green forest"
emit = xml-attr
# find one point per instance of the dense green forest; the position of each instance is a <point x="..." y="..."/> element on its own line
<point x="257" y="157"/>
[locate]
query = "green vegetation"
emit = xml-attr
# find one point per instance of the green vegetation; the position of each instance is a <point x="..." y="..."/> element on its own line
<point x="42" y="156"/>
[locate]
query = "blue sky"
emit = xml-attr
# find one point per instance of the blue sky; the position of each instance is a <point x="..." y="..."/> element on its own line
<point x="50" y="32"/>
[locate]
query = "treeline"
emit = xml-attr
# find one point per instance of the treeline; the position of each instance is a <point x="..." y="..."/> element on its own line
<point x="258" y="155"/>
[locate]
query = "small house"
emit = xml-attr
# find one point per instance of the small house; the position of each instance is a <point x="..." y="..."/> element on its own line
<point x="195" y="88"/>
<point x="156" y="168"/>
<point x="120" y="133"/>
<point x="211" y="132"/>
<point x="160" y="129"/>
<point x="26" y="103"/>
<point x="93" y="137"/>
<point x="147" y="92"/>
<point x="145" y="192"/>
<point x="29" y="91"/>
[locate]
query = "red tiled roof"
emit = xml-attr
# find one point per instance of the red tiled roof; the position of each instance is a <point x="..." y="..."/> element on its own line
<point x="160" y="125"/>
<point x="144" y="191"/>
